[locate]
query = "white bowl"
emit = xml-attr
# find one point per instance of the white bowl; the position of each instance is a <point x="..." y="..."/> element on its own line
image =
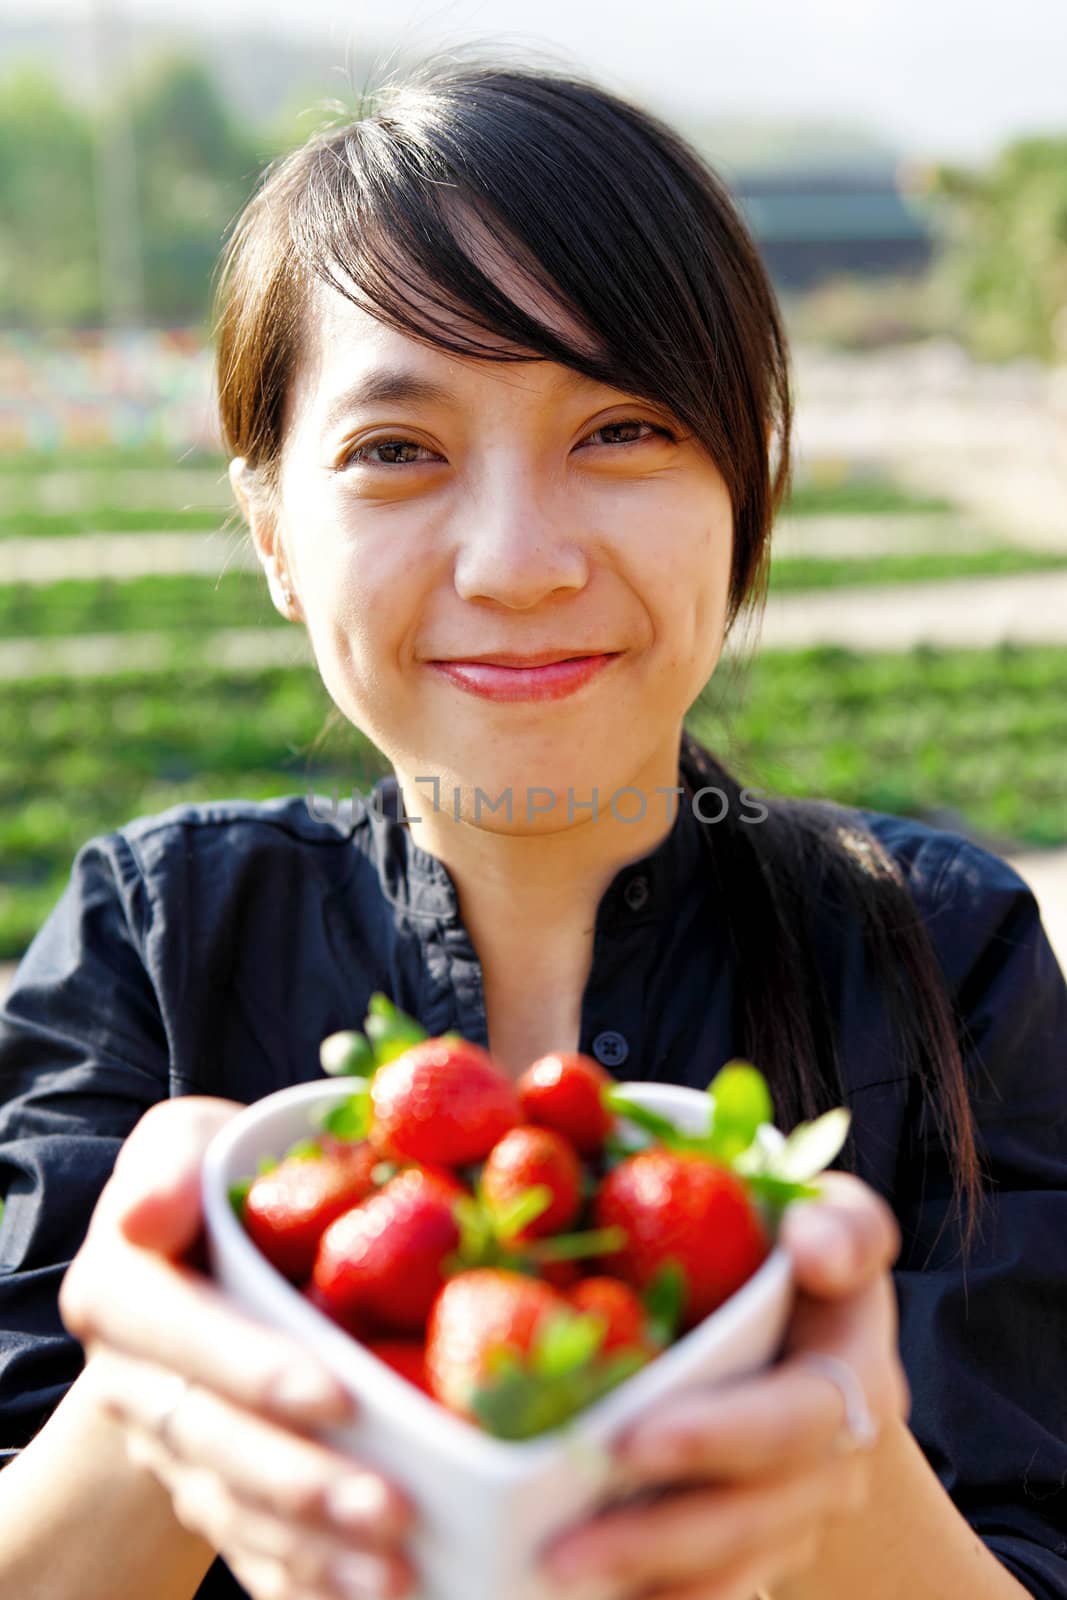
<point x="487" y="1506"/>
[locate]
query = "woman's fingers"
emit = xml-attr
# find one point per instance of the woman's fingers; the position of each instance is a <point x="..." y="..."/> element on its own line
<point x="138" y="1303"/>
<point x="279" y="1472"/>
<point x="841" y="1241"/>
<point x="777" y="1422"/>
<point x="129" y="1296"/>
<point x="153" y="1195"/>
<point x="702" y="1530"/>
<point x="307" y="1559"/>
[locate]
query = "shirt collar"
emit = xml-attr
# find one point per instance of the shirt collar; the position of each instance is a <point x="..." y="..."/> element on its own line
<point x="638" y="894"/>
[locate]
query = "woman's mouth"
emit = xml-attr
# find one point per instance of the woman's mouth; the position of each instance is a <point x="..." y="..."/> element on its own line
<point x="552" y="681"/>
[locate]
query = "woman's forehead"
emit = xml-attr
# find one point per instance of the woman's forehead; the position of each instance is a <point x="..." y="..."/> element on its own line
<point x="348" y="354"/>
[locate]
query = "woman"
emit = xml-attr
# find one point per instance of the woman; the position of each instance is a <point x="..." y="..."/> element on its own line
<point x="503" y="380"/>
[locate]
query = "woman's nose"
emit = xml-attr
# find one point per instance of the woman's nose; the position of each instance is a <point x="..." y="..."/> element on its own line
<point x="515" y="551"/>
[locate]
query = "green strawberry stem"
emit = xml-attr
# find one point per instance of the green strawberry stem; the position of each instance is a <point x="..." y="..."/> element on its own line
<point x="345" y="1055"/>
<point x="507" y="1221"/>
<point x="664" y="1302"/>
<point x="238" y="1194"/>
<point x="575" y="1246"/>
<point x="389" y="1030"/>
<point x="350" y="1118"/>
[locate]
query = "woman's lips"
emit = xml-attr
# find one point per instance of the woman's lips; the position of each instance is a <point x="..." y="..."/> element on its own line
<point x="550" y="682"/>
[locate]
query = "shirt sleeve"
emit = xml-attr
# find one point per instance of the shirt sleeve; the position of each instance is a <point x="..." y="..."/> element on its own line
<point x="83" y="1054"/>
<point x="984" y="1341"/>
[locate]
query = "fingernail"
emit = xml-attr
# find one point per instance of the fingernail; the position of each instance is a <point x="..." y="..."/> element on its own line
<point x="359" y="1575"/>
<point x="353" y="1502"/>
<point x="821" y="1235"/>
<point x="301" y="1388"/>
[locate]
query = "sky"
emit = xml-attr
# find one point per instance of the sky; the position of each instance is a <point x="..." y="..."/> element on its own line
<point x="949" y="78"/>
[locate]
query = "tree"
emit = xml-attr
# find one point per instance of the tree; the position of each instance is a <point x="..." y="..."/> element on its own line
<point x="49" y="272"/>
<point x="1005" y="250"/>
<point x="195" y="168"/>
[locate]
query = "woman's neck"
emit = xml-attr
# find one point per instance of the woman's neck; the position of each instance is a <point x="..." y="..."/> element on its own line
<point x="529" y="903"/>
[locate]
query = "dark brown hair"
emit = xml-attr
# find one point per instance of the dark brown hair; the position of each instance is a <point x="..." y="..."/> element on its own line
<point x="623" y="226"/>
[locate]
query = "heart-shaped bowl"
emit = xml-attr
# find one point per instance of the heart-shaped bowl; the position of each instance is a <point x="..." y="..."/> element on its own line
<point x="486" y="1506"/>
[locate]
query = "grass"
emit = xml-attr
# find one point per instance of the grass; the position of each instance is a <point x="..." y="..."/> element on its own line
<point x="22" y="464"/>
<point x="976" y="734"/>
<point x="111" y="519"/>
<point x="860" y="496"/>
<point x="790" y="574"/>
<point x="73" y="606"/>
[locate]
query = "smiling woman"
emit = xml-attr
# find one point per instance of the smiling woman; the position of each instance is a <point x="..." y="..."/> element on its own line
<point x="506" y="395"/>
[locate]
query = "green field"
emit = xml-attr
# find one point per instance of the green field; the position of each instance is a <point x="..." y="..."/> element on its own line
<point x="980" y="735"/>
<point x="73" y="606"/>
<point x="104" y="518"/>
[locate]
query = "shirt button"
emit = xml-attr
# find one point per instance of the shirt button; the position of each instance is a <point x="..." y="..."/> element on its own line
<point x="610" y="1048"/>
<point x="636" y="893"/>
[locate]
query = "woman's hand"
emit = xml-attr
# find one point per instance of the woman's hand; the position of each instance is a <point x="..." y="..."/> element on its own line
<point x="756" y="1465"/>
<point x="215" y="1404"/>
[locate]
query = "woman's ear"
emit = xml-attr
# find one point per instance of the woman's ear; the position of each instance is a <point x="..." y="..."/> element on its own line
<point x="268" y="546"/>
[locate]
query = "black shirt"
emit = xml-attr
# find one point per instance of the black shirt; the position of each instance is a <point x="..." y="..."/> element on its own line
<point x="210" y="949"/>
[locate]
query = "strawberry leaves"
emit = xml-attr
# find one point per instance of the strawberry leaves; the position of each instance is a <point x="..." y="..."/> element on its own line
<point x="563" y="1374"/>
<point x="488" y="1235"/>
<point x="387" y="1033"/>
<point x="740" y="1135"/>
<point x="664" y="1303"/>
<point x="349" y="1118"/>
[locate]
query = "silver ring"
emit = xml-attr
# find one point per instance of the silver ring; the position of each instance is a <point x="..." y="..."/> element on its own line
<point x="173" y="1391"/>
<point x="859" y="1431"/>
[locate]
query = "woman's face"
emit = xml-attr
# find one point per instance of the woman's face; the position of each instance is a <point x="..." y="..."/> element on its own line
<point x="435" y="508"/>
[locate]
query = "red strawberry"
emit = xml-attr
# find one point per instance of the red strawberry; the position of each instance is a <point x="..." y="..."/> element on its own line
<point x="476" y="1313"/>
<point x="681" y="1206"/>
<point x="508" y="1352"/>
<point x="525" y="1157"/>
<point x="560" y="1274"/>
<point x="620" y="1307"/>
<point x="288" y="1209"/>
<point x="405" y="1356"/>
<point x="384" y="1260"/>
<point x="444" y="1101"/>
<point x="360" y="1329"/>
<point x="562" y="1091"/>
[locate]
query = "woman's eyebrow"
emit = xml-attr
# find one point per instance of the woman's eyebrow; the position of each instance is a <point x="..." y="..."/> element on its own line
<point x="386" y="386"/>
<point x="397" y="386"/>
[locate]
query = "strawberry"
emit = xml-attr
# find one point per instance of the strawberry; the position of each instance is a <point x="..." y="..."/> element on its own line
<point x="506" y="1351"/>
<point x="476" y="1313"/>
<point x="288" y="1208"/>
<point x="563" y="1091"/>
<point x="622" y="1311"/>
<point x="405" y="1356"/>
<point x="527" y="1157"/>
<point x="384" y="1260"/>
<point x="444" y="1101"/>
<point x="560" y="1274"/>
<point x="357" y="1327"/>
<point x="680" y="1206"/>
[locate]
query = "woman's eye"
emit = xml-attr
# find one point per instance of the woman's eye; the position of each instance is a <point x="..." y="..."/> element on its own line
<point x="630" y="431"/>
<point x="387" y="453"/>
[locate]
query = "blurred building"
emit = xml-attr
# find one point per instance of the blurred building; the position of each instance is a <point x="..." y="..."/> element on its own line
<point x="827" y="222"/>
